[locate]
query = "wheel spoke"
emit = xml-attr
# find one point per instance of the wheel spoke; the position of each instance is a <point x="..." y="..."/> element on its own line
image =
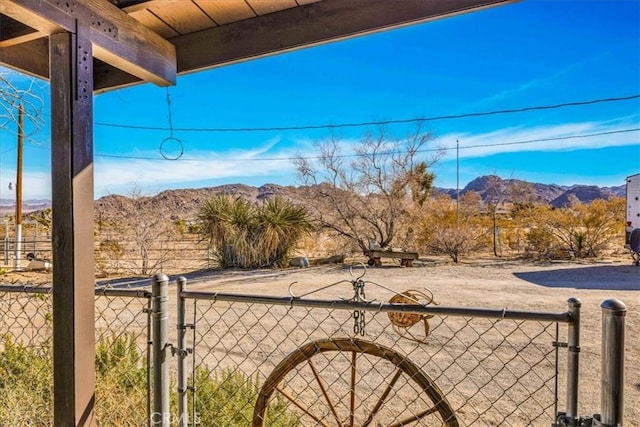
<point x="324" y="390"/>
<point x="302" y="407"/>
<point x="415" y="418"/>
<point x="382" y="398"/>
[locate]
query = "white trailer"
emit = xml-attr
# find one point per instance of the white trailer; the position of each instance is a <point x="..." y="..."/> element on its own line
<point x="632" y="225"/>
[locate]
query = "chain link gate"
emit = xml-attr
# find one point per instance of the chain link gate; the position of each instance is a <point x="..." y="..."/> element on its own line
<point x="293" y="360"/>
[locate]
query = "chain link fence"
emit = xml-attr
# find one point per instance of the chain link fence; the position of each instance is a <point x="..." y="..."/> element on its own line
<point x="289" y="361"/>
<point x="26" y="356"/>
<point x="384" y="359"/>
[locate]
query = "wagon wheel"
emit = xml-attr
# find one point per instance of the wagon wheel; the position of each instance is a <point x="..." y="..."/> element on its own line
<point x="323" y="404"/>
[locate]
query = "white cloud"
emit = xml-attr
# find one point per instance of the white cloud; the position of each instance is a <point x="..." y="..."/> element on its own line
<point x="564" y="137"/>
<point x="121" y="175"/>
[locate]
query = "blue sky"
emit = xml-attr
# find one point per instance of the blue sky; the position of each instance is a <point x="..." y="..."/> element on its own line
<point x="530" y="53"/>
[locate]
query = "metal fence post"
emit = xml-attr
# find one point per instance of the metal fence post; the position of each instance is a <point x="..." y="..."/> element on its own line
<point x="160" y="315"/>
<point x="573" y="366"/>
<point x="612" y="370"/>
<point x="183" y="416"/>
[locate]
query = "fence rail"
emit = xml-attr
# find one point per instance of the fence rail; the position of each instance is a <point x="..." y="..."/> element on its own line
<point x="256" y="360"/>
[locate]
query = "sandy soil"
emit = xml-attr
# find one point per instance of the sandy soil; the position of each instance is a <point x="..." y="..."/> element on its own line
<point x="489" y="284"/>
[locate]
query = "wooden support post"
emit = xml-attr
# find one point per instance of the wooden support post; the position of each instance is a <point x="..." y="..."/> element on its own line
<point x="72" y="203"/>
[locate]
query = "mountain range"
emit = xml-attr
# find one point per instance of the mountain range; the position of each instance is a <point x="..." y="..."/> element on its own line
<point x="555" y="195"/>
<point x="189" y="199"/>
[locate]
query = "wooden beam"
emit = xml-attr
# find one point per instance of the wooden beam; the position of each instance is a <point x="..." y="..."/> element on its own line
<point x="13" y="32"/>
<point x="117" y="38"/>
<point x="31" y="58"/>
<point x="308" y="25"/>
<point x="72" y="242"/>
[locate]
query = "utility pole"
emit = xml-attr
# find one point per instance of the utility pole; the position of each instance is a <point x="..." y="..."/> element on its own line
<point x="457" y="185"/>
<point x="18" y="253"/>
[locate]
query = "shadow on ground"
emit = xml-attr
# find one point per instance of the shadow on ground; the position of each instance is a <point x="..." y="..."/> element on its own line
<point x="601" y="277"/>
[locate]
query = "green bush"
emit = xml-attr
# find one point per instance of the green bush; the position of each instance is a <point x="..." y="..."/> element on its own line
<point x="223" y="399"/>
<point x="26" y="378"/>
<point x="227" y="398"/>
<point x="121" y="382"/>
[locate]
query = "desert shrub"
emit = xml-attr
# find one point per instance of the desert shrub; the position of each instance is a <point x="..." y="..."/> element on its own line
<point x="227" y="399"/>
<point x="450" y="229"/>
<point x="26" y="378"/>
<point x="579" y="230"/>
<point x="121" y="382"/>
<point x="252" y="236"/>
<point x="26" y="387"/>
<point x="108" y="256"/>
<point x="541" y="243"/>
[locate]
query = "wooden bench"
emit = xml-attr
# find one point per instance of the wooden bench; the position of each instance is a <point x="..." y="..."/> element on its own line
<point x="406" y="258"/>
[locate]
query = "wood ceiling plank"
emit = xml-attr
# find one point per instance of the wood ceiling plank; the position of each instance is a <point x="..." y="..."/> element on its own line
<point x="317" y="23"/>
<point x="183" y="16"/>
<point x="225" y="11"/>
<point x="263" y="7"/>
<point x="309" y="25"/>
<point x="151" y="21"/>
<point x="117" y="38"/>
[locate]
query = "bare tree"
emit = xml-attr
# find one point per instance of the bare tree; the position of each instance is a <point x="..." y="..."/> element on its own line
<point x="366" y="198"/>
<point x="25" y="92"/>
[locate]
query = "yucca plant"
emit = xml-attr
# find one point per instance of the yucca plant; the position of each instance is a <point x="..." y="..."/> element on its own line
<point x="248" y="236"/>
<point x="281" y="224"/>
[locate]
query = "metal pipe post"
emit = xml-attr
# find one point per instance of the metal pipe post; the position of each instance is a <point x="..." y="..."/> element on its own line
<point x="573" y="358"/>
<point x="183" y="416"/>
<point x="612" y="370"/>
<point x="160" y="317"/>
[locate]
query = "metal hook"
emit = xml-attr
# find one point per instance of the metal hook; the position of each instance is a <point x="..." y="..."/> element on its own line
<point x="364" y="270"/>
<point x="291" y="289"/>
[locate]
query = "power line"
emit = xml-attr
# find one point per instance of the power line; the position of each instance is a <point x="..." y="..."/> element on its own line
<point x="559" y="138"/>
<point x="497" y="144"/>
<point x="380" y="122"/>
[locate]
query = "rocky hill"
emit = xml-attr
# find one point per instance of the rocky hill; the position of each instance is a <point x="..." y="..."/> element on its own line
<point x="555" y="195"/>
<point x="184" y="203"/>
